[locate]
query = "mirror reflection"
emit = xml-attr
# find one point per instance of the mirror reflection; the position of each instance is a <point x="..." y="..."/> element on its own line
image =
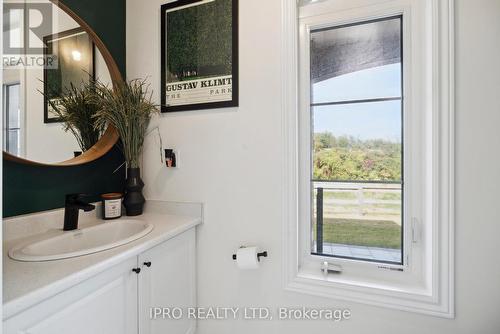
<point x="47" y="112"/>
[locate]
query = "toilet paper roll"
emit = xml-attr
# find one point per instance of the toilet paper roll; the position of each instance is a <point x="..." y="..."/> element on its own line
<point x="246" y="258"/>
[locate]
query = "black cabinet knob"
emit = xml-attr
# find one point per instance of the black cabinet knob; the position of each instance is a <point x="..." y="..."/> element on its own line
<point x="147" y="264"/>
<point x="136" y="270"/>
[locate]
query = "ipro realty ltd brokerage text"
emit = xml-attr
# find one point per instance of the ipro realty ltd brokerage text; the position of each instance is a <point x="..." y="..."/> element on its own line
<point x="249" y="313"/>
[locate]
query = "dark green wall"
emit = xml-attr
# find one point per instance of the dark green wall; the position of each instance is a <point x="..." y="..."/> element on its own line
<point x="28" y="189"/>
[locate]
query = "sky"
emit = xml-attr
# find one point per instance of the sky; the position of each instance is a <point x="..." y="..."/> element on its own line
<point x="375" y="120"/>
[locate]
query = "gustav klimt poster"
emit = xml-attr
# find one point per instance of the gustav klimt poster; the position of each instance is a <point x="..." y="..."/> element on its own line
<point x="199" y="55"/>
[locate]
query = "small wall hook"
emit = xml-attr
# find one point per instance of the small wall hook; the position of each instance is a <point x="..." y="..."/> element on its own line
<point x="171" y="157"/>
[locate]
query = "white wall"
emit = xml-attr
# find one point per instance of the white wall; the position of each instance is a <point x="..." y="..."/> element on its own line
<point x="231" y="161"/>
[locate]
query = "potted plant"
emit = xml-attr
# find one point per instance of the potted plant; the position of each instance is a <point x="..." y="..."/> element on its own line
<point x="128" y="107"/>
<point x="76" y="109"/>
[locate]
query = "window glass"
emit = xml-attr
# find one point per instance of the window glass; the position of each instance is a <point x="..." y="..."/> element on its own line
<point x="13" y="107"/>
<point x="357" y="142"/>
<point x="13" y="142"/>
<point x="357" y="147"/>
<point x="356" y="62"/>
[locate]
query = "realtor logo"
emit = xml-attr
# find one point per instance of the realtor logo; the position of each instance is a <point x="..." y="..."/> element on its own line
<point x="25" y="25"/>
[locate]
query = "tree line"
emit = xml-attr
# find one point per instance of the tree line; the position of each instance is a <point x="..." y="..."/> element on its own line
<point x="350" y="158"/>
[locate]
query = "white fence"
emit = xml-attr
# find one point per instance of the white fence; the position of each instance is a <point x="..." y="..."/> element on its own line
<point x="360" y="200"/>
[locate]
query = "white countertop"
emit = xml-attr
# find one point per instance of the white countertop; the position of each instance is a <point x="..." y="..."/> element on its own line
<point x="27" y="283"/>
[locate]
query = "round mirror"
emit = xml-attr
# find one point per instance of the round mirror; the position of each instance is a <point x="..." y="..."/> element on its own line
<point x="47" y="112"/>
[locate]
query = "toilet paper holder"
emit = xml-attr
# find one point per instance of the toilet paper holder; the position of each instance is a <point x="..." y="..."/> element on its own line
<point x="259" y="255"/>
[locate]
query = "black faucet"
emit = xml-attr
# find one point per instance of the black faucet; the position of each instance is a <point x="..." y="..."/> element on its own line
<point x="73" y="204"/>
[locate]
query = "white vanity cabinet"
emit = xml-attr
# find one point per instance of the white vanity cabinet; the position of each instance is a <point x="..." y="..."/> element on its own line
<point x="118" y="300"/>
<point x="168" y="280"/>
<point x="106" y="303"/>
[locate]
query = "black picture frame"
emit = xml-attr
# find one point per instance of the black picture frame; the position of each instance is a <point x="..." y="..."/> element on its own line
<point x="234" y="101"/>
<point x="50" y="52"/>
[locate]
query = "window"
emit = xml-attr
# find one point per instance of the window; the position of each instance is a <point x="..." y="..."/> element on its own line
<point x="356" y="106"/>
<point x="12" y="119"/>
<point x="368" y="152"/>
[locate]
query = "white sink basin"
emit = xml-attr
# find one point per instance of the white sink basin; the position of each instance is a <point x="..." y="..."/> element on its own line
<point x="81" y="242"/>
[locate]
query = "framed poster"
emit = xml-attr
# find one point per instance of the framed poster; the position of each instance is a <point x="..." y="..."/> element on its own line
<point x="70" y="60"/>
<point x="199" y="55"/>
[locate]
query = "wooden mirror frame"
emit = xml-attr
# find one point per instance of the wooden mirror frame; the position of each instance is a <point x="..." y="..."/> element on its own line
<point x="110" y="136"/>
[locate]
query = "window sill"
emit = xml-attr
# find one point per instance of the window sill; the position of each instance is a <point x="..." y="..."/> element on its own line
<point x="412" y="298"/>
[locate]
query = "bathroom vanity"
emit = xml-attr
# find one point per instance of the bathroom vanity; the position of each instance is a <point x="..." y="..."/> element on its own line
<point x="96" y="277"/>
<point x="110" y="291"/>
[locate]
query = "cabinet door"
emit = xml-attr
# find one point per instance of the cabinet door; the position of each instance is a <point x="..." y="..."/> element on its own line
<point x="169" y="282"/>
<point x="104" y="304"/>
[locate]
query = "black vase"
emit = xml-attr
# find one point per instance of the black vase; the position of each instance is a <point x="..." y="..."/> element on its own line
<point x="134" y="200"/>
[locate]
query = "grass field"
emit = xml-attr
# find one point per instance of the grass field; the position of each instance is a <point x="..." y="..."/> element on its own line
<point x="372" y="233"/>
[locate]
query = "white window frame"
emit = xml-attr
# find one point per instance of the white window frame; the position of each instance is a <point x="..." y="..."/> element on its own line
<point x="425" y="282"/>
